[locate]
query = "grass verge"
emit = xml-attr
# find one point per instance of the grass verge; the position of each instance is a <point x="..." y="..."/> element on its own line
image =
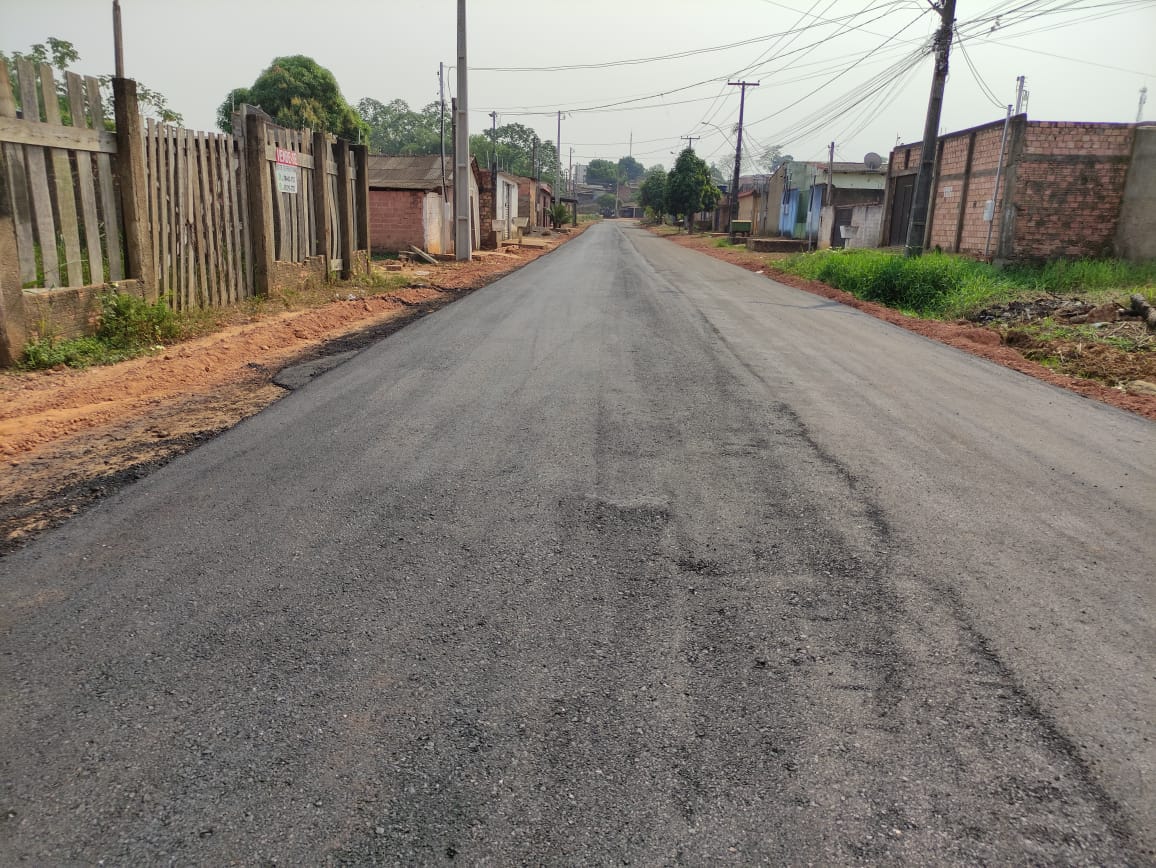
<point x="941" y="286"/>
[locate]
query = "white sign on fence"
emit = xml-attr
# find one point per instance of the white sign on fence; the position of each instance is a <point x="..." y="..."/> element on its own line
<point x="286" y="171"/>
<point x="286" y="178"/>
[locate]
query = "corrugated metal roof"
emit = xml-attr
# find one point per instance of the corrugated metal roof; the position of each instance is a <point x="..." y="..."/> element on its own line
<point x="408" y="173"/>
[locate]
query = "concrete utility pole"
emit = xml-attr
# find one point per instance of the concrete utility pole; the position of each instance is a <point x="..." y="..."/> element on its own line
<point x="917" y="228"/>
<point x="117" y="40"/>
<point x="734" y="209"/>
<point x="442" y="133"/>
<point x="830" y="191"/>
<point x="1021" y="94"/>
<point x="1140" y="108"/>
<point x="690" y="140"/>
<point x="463" y="241"/>
<point x="558" y="153"/>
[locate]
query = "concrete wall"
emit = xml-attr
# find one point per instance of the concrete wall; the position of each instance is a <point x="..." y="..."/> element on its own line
<point x="1136" y="231"/>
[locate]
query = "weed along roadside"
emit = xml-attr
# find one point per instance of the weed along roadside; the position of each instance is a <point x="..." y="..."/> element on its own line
<point x="72" y="435"/>
<point x="1078" y="325"/>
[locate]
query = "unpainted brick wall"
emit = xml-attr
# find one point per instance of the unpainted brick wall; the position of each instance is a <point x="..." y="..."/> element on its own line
<point x="396" y="220"/>
<point x="1069" y="186"/>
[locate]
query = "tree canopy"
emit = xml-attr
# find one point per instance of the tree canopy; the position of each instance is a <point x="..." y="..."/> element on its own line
<point x="514" y="147"/>
<point x="397" y="130"/>
<point x="60" y="54"/>
<point x="689" y="188"/>
<point x="630" y="170"/>
<point x="652" y="193"/>
<point x="297" y="92"/>
<point x="601" y="173"/>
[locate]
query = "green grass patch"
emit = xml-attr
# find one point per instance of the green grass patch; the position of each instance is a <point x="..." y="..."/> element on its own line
<point x="129" y="327"/>
<point x="940" y="285"/>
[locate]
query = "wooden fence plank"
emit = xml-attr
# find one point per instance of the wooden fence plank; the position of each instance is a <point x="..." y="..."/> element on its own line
<point x="133" y="183"/>
<point x="164" y="215"/>
<point x="244" y="165"/>
<point x="18" y="132"/>
<point x="16" y="177"/>
<point x="85" y="182"/>
<point x="110" y="216"/>
<point x="69" y="229"/>
<point x="321" y="213"/>
<point x="308" y="192"/>
<point x="234" y="223"/>
<point x="154" y="214"/>
<point x="187" y="251"/>
<point x="38" y="180"/>
<point x="260" y="197"/>
<point x="345" y="209"/>
<point x="230" y="177"/>
<point x="212" y="179"/>
<point x="199" y="217"/>
<point x="221" y="210"/>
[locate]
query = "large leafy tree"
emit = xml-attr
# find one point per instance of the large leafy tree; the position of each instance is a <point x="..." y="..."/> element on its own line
<point x="396" y="129"/>
<point x="298" y="92"/>
<point x="689" y="188"/>
<point x="601" y="173"/>
<point x="60" y="54"/>
<point x="652" y="193"/>
<point x="515" y="148"/>
<point x="630" y="170"/>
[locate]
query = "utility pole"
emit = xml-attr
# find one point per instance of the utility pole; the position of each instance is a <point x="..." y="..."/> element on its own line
<point x="1021" y="94"/>
<point x="558" y="154"/>
<point x="117" y="40"/>
<point x="463" y="240"/>
<point x="1140" y="108"/>
<point x="734" y="209"/>
<point x="570" y="173"/>
<point x="690" y="140"/>
<point x="917" y="228"/>
<point x="494" y="159"/>
<point x="442" y="133"/>
<point x="830" y="191"/>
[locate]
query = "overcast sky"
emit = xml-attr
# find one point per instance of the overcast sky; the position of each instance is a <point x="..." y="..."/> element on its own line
<point x="839" y="70"/>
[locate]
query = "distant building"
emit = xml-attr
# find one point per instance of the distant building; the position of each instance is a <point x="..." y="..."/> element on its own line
<point x="407" y="205"/>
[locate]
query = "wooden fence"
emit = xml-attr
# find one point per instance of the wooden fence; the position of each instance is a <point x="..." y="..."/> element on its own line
<point x="197" y="224"/>
<point x="201" y="219"/>
<point x="59" y="178"/>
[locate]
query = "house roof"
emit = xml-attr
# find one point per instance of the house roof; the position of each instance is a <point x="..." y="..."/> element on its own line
<point x="408" y="173"/>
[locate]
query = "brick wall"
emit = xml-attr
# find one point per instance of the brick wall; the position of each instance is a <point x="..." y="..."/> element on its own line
<point x="1068" y="189"/>
<point x="396" y="219"/>
<point x="486" y="216"/>
<point x="1066" y="182"/>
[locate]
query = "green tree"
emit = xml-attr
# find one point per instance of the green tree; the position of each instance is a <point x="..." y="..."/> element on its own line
<point x="630" y="170"/>
<point x="297" y="92"/>
<point x="652" y="193"/>
<point x="601" y="173"/>
<point x="60" y="54"/>
<point x="515" y="147"/>
<point x="396" y="129"/>
<point x="689" y="188"/>
<point x="773" y="157"/>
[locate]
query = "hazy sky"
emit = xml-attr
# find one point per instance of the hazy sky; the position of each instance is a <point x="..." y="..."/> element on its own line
<point x="839" y="72"/>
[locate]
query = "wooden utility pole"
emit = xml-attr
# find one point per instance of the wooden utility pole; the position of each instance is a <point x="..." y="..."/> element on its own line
<point x="463" y="237"/>
<point x="917" y="228"/>
<point x="734" y="209"/>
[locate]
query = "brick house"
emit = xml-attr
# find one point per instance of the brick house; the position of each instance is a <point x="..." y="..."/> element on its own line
<point x="407" y="205"/>
<point x="535" y="199"/>
<point x="1063" y="188"/>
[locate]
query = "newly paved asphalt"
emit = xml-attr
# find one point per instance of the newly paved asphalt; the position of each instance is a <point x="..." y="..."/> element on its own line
<point x="632" y="557"/>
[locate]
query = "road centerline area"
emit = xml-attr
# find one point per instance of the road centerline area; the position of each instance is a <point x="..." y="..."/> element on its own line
<point x="631" y="556"/>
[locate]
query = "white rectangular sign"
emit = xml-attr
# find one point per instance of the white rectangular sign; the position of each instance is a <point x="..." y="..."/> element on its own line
<point x="286" y="178"/>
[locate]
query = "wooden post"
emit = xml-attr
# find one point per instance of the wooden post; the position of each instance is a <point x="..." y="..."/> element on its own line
<point x="260" y="197"/>
<point x="361" y="198"/>
<point x="344" y="208"/>
<point x="13" y="330"/>
<point x="133" y="178"/>
<point x="321" y="156"/>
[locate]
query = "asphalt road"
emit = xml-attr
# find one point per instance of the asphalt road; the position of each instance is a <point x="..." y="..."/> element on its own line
<point x="632" y="557"/>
